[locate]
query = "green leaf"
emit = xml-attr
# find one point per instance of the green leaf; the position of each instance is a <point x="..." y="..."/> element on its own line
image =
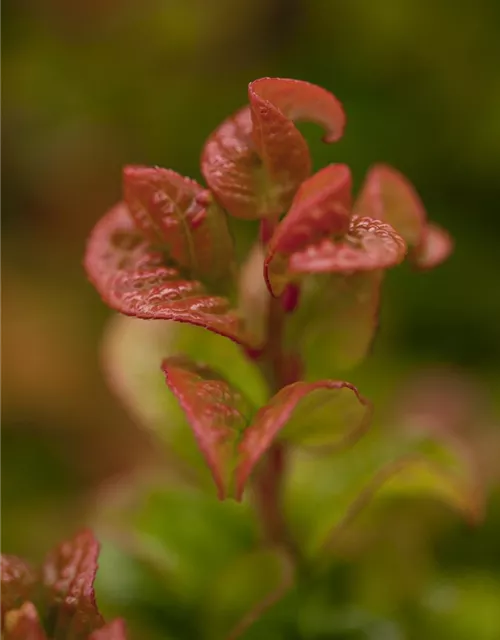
<point x="325" y="494"/>
<point x="132" y="354"/>
<point x="243" y="591"/>
<point x="216" y="411"/>
<point x="328" y="413"/>
<point x="335" y="322"/>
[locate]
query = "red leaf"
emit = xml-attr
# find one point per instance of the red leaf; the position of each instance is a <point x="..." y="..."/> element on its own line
<point x="138" y="281"/>
<point x="326" y="413"/>
<point x="369" y="245"/>
<point x="387" y="195"/>
<point x="255" y="160"/>
<point x="18" y="581"/>
<point x="216" y="412"/>
<point x="23" y="624"/>
<point x="320" y="209"/>
<point x="436" y="246"/>
<point x="300" y="100"/>
<point x="68" y="574"/>
<point x="114" y="630"/>
<point x="176" y="214"/>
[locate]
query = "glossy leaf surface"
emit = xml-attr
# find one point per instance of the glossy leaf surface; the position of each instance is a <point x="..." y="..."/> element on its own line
<point x="336" y="321"/>
<point x="369" y="245"/>
<point x="320" y="209"/>
<point x="68" y="575"/>
<point x="387" y="195"/>
<point x="256" y="159"/>
<point x="138" y="281"/>
<point x="217" y="412"/>
<point x="176" y="215"/>
<point x="327" y="413"/>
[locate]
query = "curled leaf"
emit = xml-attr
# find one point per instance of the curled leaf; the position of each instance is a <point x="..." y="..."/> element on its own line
<point x="216" y="411"/>
<point x="369" y="245"/>
<point x="68" y="575"/>
<point x="387" y="195"/>
<point x="138" y="281"/>
<point x="175" y="214"/>
<point x="255" y="160"/>
<point x="300" y="100"/>
<point x="23" y="624"/>
<point x="320" y="209"/>
<point x="434" y="249"/>
<point x="18" y="582"/>
<point x="327" y="413"/>
<point x="114" y="630"/>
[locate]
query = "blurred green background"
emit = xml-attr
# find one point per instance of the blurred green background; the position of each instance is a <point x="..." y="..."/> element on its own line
<point x="89" y="87"/>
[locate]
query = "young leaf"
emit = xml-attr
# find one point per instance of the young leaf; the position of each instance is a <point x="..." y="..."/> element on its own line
<point x="334" y="326"/>
<point x="68" y="575"/>
<point x="18" y="582"/>
<point x="387" y="195"/>
<point x="242" y="592"/>
<point x="434" y="249"/>
<point x="369" y="245"/>
<point x="255" y="160"/>
<point x="114" y="630"/>
<point x="217" y="412"/>
<point x="138" y="281"/>
<point x="326" y="413"/>
<point x="177" y="215"/>
<point x="23" y="624"/>
<point x="320" y="209"/>
<point x="254" y="296"/>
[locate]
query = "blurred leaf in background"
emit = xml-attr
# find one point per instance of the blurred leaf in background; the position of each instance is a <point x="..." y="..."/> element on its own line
<point x="90" y="87"/>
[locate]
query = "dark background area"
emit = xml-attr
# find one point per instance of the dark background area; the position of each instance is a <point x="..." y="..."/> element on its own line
<point x="89" y="87"/>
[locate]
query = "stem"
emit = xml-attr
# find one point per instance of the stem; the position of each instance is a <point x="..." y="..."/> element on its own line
<point x="268" y="485"/>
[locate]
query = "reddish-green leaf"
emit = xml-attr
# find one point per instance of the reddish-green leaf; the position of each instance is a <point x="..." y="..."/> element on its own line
<point x="335" y="322"/>
<point x="139" y="281"/>
<point x="255" y="160"/>
<point x="387" y="195"/>
<point x="18" y="581"/>
<point x="178" y="216"/>
<point x="328" y="413"/>
<point x="23" y="624"/>
<point x="216" y="411"/>
<point x="114" y="630"/>
<point x="435" y="248"/>
<point x="320" y="209"/>
<point x="68" y="575"/>
<point x="369" y="245"/>
<point x="299" y="101"/>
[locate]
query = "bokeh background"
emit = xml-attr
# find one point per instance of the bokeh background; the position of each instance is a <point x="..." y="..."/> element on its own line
<point x="89" y="87"/>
